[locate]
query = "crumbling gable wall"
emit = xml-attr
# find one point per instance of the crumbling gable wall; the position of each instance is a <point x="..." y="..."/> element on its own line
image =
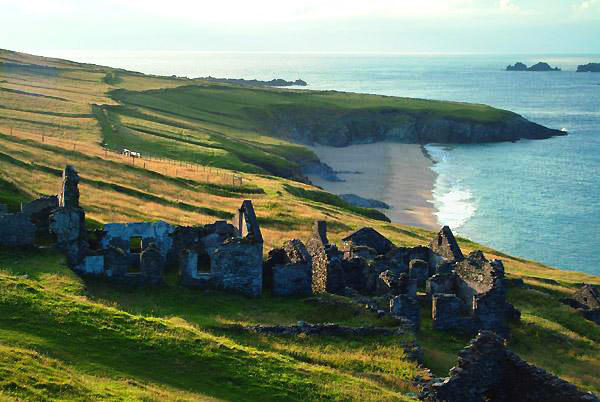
<point x="487" y="371"/>
<point x="477" y="285"/>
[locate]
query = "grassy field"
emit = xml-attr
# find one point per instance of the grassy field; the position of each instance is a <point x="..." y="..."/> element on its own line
<point x="65" y="337"/>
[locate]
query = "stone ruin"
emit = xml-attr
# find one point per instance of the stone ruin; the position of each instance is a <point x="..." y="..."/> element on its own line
<point x="467" y="294"/>
<point x="488" y="371"/>
<point x="586" y="300"/>
<point x="471" y="297"/>
<point x="218" y="255"/>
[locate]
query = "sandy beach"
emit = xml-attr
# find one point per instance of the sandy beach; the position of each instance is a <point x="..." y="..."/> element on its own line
<point x="397" y="174"/>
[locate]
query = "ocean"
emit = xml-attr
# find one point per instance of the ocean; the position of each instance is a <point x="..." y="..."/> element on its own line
<point x="535" y="199"/>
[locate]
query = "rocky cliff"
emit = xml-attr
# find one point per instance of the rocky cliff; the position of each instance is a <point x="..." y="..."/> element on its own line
<point x="342" y="128"/>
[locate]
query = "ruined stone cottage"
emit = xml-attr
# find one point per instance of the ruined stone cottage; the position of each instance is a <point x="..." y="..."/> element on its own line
<point x="217" y="256"/>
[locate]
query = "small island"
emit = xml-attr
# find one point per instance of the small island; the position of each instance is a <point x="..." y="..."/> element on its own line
<point x="589" y="68"/>
<point x="541" y="66"/>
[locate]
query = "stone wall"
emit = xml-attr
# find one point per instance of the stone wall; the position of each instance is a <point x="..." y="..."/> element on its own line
<point x="16" y="230"/>
<point x="292" y="280"/>
<point x="292" y="270"/>
<point x="237" y="265"/>
<point x="447" y="313"/>
<point x="441" y="283"/>
<point x="586" y="300"/>
<point x="39" y="212"/>
<point x="327" y="270"/>
<point x="67" y="222"/>
<point x="407" y="307"/>
<point x="246" y="223"/>
<point x="68" y="225"/>
<point x="487" y="371"/>
<point x="119" y="235"/>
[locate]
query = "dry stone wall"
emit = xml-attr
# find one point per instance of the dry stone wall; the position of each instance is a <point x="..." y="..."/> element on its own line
<point x="488" y="371"/>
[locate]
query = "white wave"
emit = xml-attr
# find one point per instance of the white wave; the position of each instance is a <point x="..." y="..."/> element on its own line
<point x="455" y="207"/>
<point x="454" y="201"/>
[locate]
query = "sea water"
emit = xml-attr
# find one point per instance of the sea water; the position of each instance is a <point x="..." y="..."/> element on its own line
<point x="535" y="199"/>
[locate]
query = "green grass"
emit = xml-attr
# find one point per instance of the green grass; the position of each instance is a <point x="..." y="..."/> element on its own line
<point x="332" y="199"/>
<point x="64" y="330"/>
<point x="12" y="196"/>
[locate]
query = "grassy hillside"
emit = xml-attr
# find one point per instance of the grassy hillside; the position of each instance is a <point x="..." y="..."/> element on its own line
<point x="218" y="124"/>
<point x="65" y="337"/>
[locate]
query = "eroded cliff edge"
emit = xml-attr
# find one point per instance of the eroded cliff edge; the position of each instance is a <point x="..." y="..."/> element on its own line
<point x="345" y="127"/>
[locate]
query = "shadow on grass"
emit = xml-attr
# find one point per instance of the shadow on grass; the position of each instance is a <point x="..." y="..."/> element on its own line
<point x="92" y="337"/>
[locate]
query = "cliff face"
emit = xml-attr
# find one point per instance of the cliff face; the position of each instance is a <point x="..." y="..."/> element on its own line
<point x="373" y="125"/>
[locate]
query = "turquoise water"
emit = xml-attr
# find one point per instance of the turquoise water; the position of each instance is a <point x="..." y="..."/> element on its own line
<point x="535" y="199"/>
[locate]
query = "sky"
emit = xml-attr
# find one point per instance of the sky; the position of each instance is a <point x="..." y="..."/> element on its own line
<point x="403" y="26"/>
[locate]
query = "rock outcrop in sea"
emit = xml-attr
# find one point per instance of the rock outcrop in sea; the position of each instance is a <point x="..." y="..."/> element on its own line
<point x="589" y="68"/>
<point x="540" y="66"/>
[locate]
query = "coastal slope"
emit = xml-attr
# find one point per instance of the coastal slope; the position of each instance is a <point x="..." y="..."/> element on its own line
<point x="341" y="118"/>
